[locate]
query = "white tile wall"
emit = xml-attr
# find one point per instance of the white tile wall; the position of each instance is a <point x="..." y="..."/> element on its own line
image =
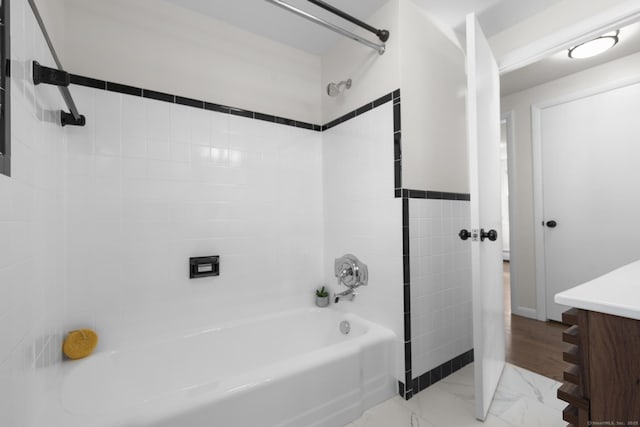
<point x="32" y="252"/>
<point x="97" y="223"/>
<point x="362" y="216"/>
<point x="440" y="282"/>
<point x="151" y="184"/>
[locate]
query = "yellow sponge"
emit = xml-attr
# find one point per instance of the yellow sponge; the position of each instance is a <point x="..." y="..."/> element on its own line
<point x="80" y="343"/>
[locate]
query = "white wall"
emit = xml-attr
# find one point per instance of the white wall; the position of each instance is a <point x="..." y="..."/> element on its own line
<point x="151" y="184"/>
<point x="159" y="46"/>
<point x="32" y="251"/>
<point x="433" y="82"/>
<point x="373" y="75"/>
<point x="362" y="216"/>
<point x="520" y="103"/>
<point x="441" y="322"/>
<point x="433" y="86"/>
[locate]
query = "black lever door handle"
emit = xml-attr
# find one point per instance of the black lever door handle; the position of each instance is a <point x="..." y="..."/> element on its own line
<point x="551" y="224"/>
<point x="464" y="234"/>
<point x="491" y="235"/>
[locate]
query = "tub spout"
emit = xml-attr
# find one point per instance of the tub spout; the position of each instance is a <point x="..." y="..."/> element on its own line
<point x="348" y="294"/>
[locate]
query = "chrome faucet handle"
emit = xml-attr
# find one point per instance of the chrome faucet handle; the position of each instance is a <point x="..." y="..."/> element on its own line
<point x="350" y="271"/>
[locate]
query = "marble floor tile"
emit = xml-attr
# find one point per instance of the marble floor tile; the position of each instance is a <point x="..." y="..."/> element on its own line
<point x="523" y="399"/>
<point x="392" y="413"/>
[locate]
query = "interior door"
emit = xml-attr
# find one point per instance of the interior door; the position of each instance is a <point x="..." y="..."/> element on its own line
<point x="591" y="182"/>
<point x="483" y="127"/>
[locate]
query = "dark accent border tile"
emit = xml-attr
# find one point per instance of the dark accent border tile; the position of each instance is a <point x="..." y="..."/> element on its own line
<point x="436" y="374"/>
<point x="348" y="116"/>
<point x="243" y="113"/>
<point x="196" y="103"/>
<point x="407" y="327"/>
<point x="216" y="107"/>
<point x="364" y="108"/>
<point x="417" y="194"/>
<point x="331" y="124"/>
<point x="397" y="193"/>
<point x="444" y="370"/>
<point x="264" y="117"/>
<point x="158" y="96"/>
<point x="406" y="269"/>
<point x="304" y="125"/>
<point x="407" y="357"/>
<point x="396" y="117"/>
<point x="424" y="381"/>
<point x="405" y="213"/>
<point x="407" y="297"/>
<point x="383" y="99"/>
<point x="283" y="121"/>
<point x="88" y="82"/>
<point x="397" y="173"/>
<point x="401" y="388"/>
<point x="436" y="195"/>
<point x="397" y="146"/>
<point x="415" y="386"/>
<point x="407" y="380"/>
<point x="405" y="242"/>
<point x="189" y="102"/>
<point x="128" y="90"/>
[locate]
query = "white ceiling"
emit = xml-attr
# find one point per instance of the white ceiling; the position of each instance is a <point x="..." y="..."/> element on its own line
<point x="267" y="20"/>
<point x="270" y="21"/>
<point x="560" y="65"/>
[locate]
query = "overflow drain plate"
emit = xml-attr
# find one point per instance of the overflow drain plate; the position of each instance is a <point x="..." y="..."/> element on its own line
<point x="345" y="327"/>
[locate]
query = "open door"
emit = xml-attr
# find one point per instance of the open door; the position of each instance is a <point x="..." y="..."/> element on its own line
<point x="483" y="127"/>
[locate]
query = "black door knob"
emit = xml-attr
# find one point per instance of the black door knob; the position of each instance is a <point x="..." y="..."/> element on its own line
<point x="551" y="224"/>
<point x="464" y="234"/>
<point x="491" y="235"/>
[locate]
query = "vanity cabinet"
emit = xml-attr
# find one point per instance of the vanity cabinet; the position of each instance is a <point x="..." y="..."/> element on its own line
<point x="602" y="385"/>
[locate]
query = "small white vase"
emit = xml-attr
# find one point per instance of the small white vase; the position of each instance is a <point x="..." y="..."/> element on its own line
<point x="322" y="301"/>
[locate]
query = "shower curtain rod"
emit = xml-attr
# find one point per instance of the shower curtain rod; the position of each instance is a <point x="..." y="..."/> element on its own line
<point x="49" y="74"/>
<point x="383" y="35"/>
<point x="379" y="47"/>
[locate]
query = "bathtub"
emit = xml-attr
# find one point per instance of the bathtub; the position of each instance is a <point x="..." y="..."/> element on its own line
<point x="294" y="368"/>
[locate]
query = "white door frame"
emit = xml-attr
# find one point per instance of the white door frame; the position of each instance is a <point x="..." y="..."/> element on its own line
<point x="538" y="191"/>
<point x="613" y="18"/>
<point x="514" y="247"/>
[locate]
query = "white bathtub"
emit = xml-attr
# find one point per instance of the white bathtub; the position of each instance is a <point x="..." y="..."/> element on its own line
<point x="289" y="369"/>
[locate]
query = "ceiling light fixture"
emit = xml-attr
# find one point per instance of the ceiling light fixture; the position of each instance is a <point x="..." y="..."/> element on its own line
<point x="595" y="47"/>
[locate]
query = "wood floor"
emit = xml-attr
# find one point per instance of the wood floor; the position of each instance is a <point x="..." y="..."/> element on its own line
<point x="531" y="344"/>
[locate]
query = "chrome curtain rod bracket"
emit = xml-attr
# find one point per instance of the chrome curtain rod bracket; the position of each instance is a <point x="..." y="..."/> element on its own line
<point x="78" y="119"/>
<point x="379" y="47"/>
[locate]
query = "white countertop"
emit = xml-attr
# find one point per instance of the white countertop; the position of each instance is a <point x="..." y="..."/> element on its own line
<point x="617" y="293"/>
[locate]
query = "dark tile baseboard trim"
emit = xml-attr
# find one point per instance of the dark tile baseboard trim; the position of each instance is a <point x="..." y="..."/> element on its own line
<point x="406" y="194"/>
<point x="431" y="377"/>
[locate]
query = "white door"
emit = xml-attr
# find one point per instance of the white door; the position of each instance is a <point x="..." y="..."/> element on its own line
<point x="591" y="188"/>
<point x="483" y="127"/>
